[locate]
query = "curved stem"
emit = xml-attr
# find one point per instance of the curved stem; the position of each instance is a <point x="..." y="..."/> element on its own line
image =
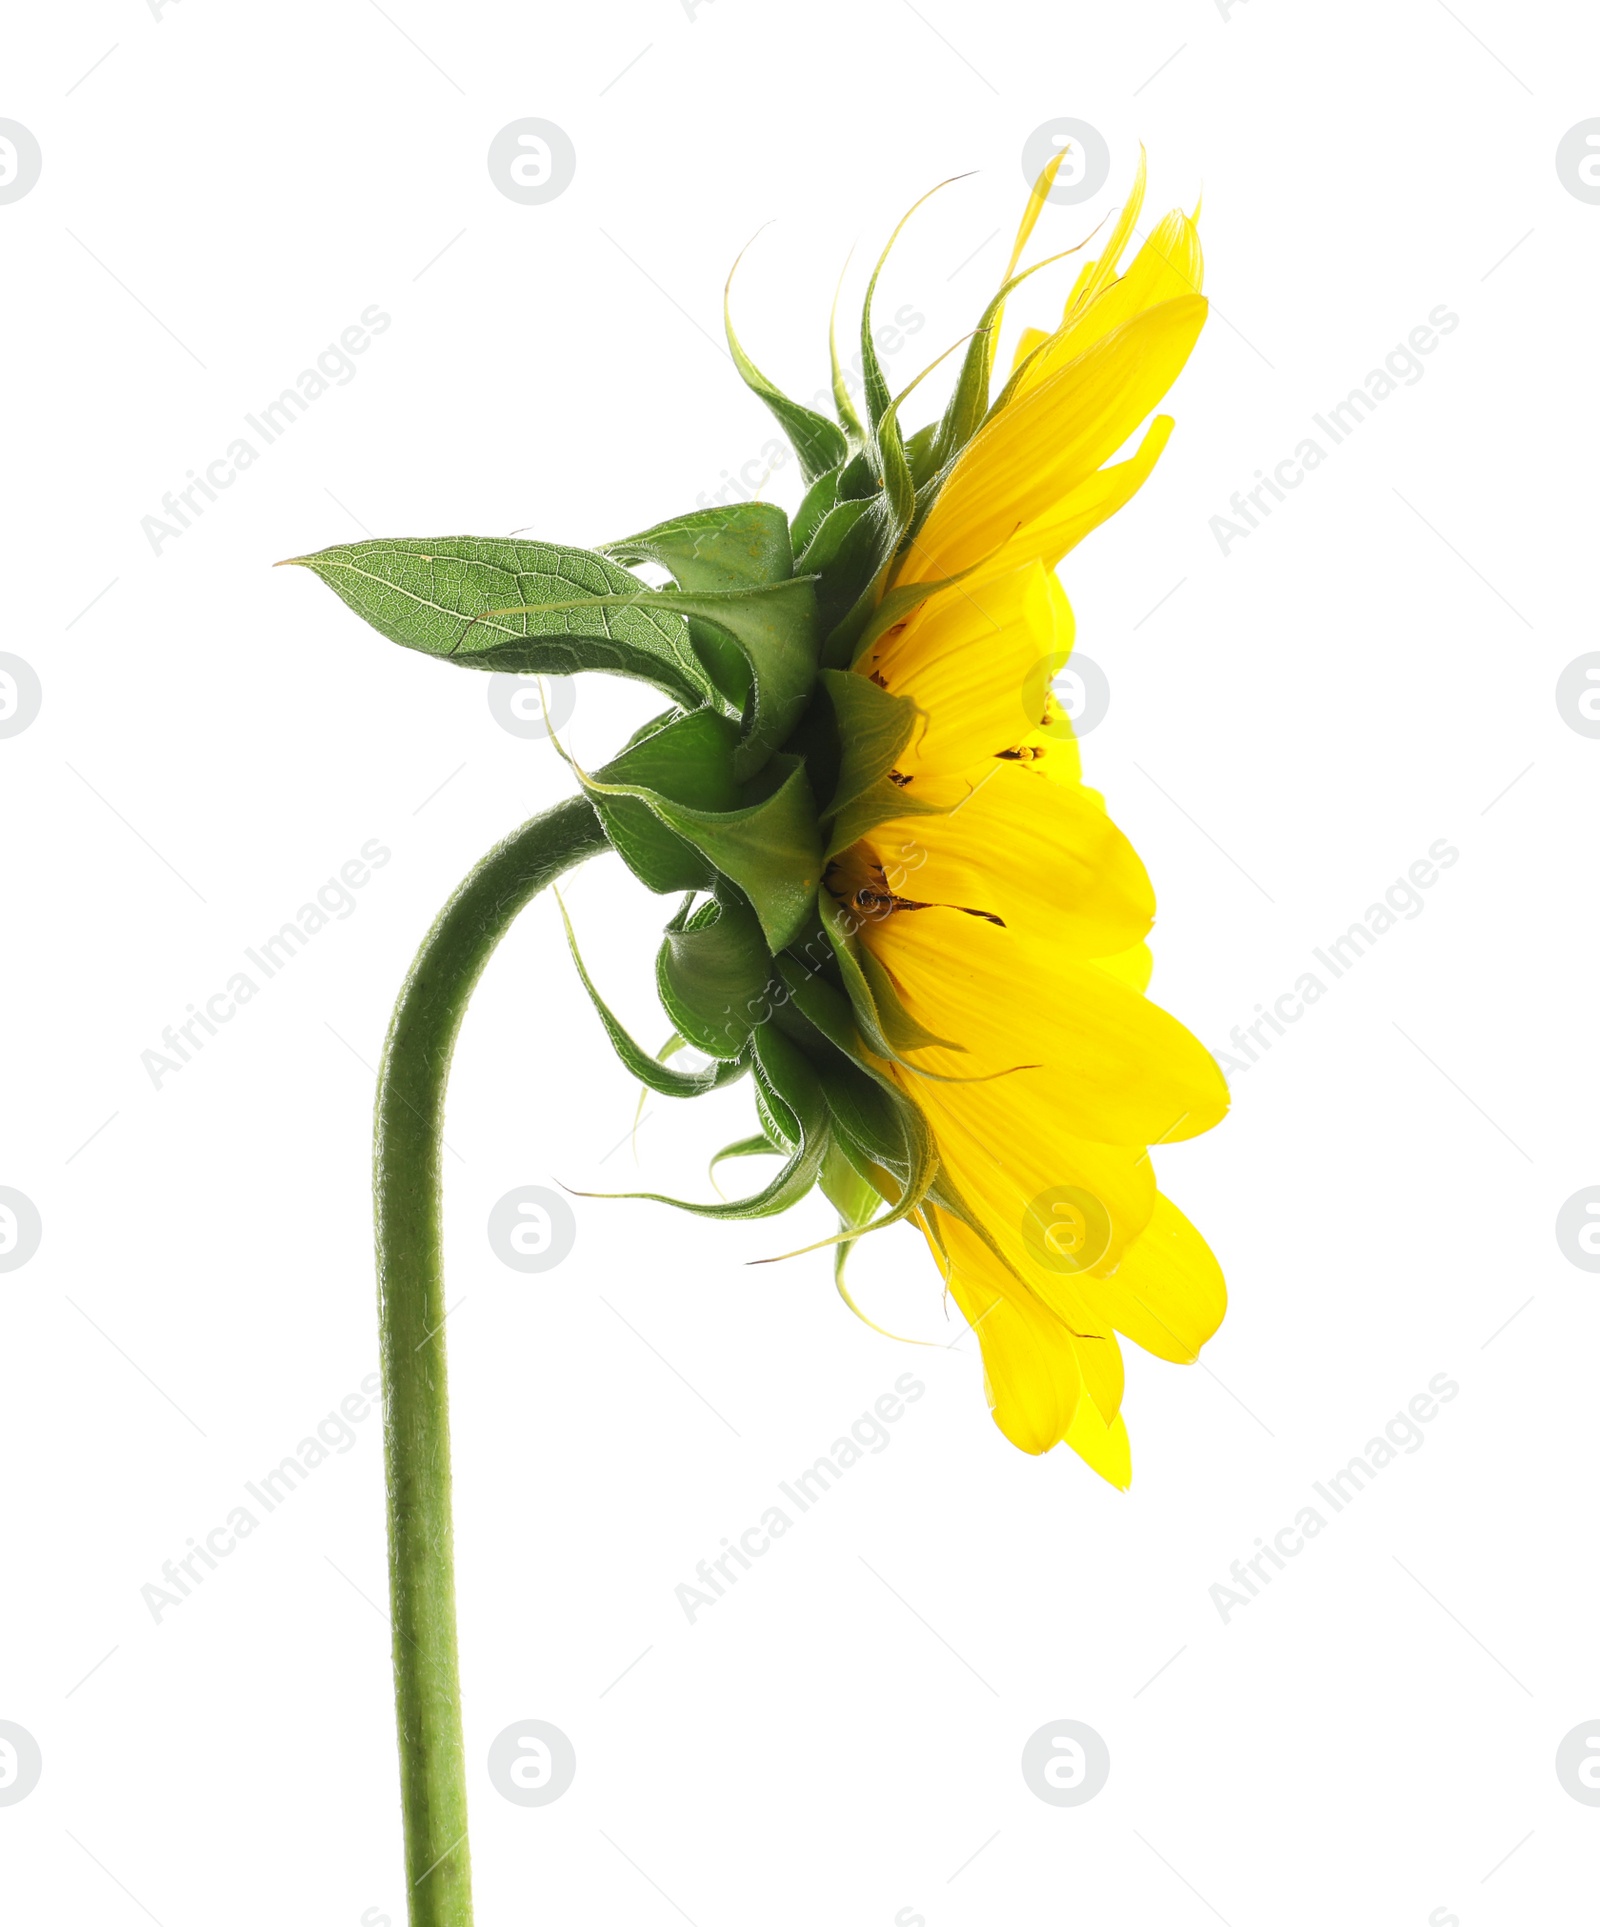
<point x="411" y="1313"/>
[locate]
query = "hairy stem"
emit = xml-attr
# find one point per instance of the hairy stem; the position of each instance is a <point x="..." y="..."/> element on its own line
<point x="411" y="1313"/>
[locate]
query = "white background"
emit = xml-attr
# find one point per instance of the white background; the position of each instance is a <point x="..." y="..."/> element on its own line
<point x="1292" y="727"/>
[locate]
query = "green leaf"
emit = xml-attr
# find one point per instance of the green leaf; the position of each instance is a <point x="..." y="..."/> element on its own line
<point x="716" y="548"/>
<point x="886" y="1140"/>
<point x="872" y="375"/>
<point x="819" y="498"/>
<point x="791" y="1092"/>
<point x="855" y="1199"/>
<point x="772" y="848"/>
<point x="775" y="625"/>
<point x="791" y="1184"/>
<point x="841" y="938"/>
<point x="858" y="478"/>
<point x="894" y="511"/>
<point x="885" y="1023"/>
<point x="843" y="405"/>
<point x="896" y="605"/>
<point x="880" y="1127"/>
<point x="649" y="728"/>
<point x="922" y="454"/>
<point x="844" y="554"/>
<point x="776" y="1061"/>
<point x="735" y="547"/>
<point x="874" y="727"/>
<point x="819" y="443"/>
<point x="435" y="596"/>
<point x="829" y="537"/>
<point x="969" y="400"/>
<point x="853" y="587"/>
<point x="877" y="387"/>
<point x="852" y="1195"/>
<point x="714" y="974"/>
<point x="759" y="1146"/>
<point x="779" y="1118"/>
<point x="867" y="1108"/>
<point x="870" y="1112"/>
<point x="820" y="1002"/>
<point x="648" y="1069"/>
<point x="869" y="1115"/>
<point x="884" y="802"/>
<point x="689" y="761"/>
<point x="898" y="1025"/>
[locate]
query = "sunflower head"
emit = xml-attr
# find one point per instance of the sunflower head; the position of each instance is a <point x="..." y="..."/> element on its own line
<point x="902" y="913"/>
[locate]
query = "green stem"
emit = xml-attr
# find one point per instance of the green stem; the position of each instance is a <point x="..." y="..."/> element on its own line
<point x="411" y="1314"/>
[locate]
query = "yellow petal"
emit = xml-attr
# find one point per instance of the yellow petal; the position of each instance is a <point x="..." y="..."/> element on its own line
<point x="1062" y="527"/>
<point x="1130" y="967"/>
<point x="1168" y="1293"/>
<point x="1041" y="856"/>
<point x="1100" y="1362"/>
<point x="1029" y="1365"/>
<point x="1005" y="1145"/>
<point x="1128" y="1073"/>
<point x="975" y="659"/>
<point x="1093" y="272"/>
<point x="1168" y="267"/>
<point x="1102" y="1447"/>
<point x="1049" y="440"/>
<point x="1059" y="529"/>
<point x="1103" y="272"/>
<point x="1030" y="214"/>
<point x="1027" y="341"/>
<point x="1034" y="1369"/>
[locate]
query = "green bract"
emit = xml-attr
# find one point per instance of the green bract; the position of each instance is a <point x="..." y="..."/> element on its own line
<point x="773" y="759"/>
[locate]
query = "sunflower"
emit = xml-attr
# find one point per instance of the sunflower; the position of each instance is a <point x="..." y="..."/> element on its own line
<point x="903" y="913"/>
